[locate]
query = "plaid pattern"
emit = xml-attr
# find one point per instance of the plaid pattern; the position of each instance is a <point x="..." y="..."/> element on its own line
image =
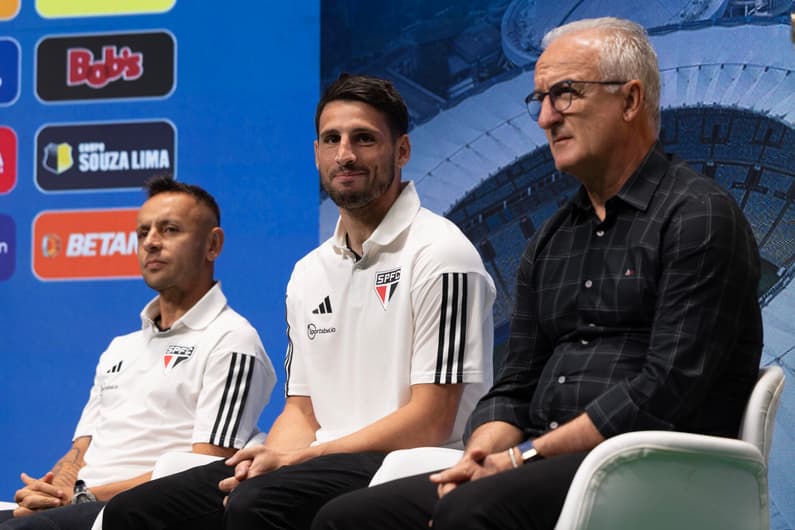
<point x="647" y="320"/>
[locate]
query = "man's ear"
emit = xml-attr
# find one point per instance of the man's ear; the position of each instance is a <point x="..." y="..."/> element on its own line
<point x="634" y="99"/>
<point x="403" y="151"/>
<point x="215" y="240"/>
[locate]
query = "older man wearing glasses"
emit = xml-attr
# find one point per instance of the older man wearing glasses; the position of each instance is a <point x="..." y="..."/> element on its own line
<point x="635" y="305"/>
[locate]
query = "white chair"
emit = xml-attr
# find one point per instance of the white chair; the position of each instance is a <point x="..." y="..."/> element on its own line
<point x="174" y="462"/>
<point x="661" y="480"/>
<point x="657" y="479"/>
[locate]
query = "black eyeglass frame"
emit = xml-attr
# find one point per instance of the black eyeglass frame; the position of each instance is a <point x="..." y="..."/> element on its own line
<point x="535" y="99"/>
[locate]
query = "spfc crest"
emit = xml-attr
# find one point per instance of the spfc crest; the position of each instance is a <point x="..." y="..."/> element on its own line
<point x="175" y="355"/>
<point x="385" y="285"/>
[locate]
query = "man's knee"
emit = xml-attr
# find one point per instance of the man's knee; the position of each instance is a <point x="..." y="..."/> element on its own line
<point x="29" y="522"/>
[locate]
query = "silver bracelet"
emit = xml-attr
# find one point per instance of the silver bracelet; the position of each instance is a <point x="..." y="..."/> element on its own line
<point x="513" y="457"/>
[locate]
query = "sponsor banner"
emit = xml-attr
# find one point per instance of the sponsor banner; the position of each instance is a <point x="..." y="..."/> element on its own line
<point x="9" y="9"/>
<point x="9" y="71"/>
<point x="108" y="66"/>
<point x="87" y="8"/>
<point x="103" y="155"/>
<point x="85" y="244"/>
<point x="8" y="159"/>
<point x="8" y="246"/>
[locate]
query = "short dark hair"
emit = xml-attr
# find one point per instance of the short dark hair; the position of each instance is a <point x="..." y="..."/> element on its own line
<point x="167" y="184"/>
<point x="378" y="93"/>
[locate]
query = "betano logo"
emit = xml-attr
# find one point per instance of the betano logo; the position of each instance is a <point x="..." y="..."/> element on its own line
<point x="85" y="244"/>
<point x="82" y="8"/>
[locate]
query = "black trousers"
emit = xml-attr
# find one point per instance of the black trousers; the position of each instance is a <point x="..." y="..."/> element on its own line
<point x="285" y="498"/>
<point x="70" y="517"/>
<point x="527" y="498"/>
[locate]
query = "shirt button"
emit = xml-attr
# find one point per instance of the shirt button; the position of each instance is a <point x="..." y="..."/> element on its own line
<point x="562" y="379"/>
<point x="588" y="284"/>
<point x="553" y="425"/>
<point x="600" y="233"/>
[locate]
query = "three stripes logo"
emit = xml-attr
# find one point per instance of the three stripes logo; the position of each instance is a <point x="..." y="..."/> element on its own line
<point x="116" y="368"/>
<point x="324" y="308"/>
<point x="175" y="355"/>
<point x="233" y="400"/>
<point x="386" y="283"/>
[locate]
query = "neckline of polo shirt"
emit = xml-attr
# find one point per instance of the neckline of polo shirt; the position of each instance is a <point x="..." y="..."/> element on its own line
<point x="199" y="316"/>
<point x="397" y="219"/>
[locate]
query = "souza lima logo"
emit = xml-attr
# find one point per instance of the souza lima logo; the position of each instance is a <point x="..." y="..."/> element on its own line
<point x="313" y="331"/>
<point x="112" y="66"/>
<point x="103" y="155"/>
<point x="175" y="355"/>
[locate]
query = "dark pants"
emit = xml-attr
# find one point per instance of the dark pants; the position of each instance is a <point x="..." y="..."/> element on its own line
<point x="70" y="517"/>
<point x="527" y="498"/>
<point x="285" y="498"/>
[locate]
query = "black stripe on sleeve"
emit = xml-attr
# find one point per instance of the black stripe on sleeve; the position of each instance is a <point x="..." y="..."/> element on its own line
<point x="451" y="350"/>
<point x="241" y="373"/>
<point x="249" y="361"/>
<point x="219" y="417"/>
<point x="442" y="327"/>
<point x="462" y="340"/>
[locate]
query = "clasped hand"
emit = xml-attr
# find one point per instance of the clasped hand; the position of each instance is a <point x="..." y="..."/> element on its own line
<point x="474" y="465"/>
<point x="38" y="494"/>
<point x="254" y="461"/>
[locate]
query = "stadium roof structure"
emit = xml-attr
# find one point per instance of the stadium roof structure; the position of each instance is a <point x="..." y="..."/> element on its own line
<point x="747" y="67"/>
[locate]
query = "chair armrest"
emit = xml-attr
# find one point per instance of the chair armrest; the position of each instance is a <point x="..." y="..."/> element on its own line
<point x="662" y="479"/>
<point x="408" y="462"/>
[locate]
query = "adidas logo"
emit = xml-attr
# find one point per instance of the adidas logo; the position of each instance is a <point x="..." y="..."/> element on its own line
<point x="323" y="308"/>
<point x="115" y="368"/>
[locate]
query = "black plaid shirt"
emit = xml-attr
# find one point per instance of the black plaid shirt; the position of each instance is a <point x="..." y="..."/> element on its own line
<point x="647" y="320"/>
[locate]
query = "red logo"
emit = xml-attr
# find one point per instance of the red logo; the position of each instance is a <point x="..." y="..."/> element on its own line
<point x="385" y="285"/>
<point x="114" y="65"/>
<point x="175" y="355"/>
<point x="8" y="159"/>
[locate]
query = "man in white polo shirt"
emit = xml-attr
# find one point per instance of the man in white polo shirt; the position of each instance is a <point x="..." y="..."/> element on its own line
<point x="390" y="330"/>
<point x="194" y="378"/>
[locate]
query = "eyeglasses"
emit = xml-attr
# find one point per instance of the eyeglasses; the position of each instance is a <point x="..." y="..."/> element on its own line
<point x="560" y="95"/>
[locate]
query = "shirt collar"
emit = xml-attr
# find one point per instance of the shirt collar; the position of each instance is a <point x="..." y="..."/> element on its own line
<point x="639" y="189"/>
<point x="397" y="219"/>
<point x="199" y="316"/>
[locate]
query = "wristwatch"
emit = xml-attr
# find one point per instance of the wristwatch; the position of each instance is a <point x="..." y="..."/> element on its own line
<point x="529" y="453"/>
<point x="82" y="493"/>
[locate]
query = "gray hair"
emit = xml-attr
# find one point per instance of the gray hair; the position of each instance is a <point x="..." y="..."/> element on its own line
<point x="624" y="53"/>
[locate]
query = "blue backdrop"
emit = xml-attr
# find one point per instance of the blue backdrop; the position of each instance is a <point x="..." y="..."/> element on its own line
<point x="246" y="81"/>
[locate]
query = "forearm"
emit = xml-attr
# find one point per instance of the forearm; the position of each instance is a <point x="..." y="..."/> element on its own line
<point x="493" y="437"/>
<point x="580" y="434"/>
<point x="66" y="469"/>
<point x="295" y="427"/>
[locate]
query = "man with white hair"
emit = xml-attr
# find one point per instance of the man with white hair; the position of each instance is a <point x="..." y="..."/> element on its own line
<point x="635" y="308"/>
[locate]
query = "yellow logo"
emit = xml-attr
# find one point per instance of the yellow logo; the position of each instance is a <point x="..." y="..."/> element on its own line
<point x="9" y="9"/>
<point x="81" y="8"/>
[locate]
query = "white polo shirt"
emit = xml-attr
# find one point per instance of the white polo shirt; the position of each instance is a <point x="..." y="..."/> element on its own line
<point x="416" y="308"/>
<point x="205" y="380"/>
